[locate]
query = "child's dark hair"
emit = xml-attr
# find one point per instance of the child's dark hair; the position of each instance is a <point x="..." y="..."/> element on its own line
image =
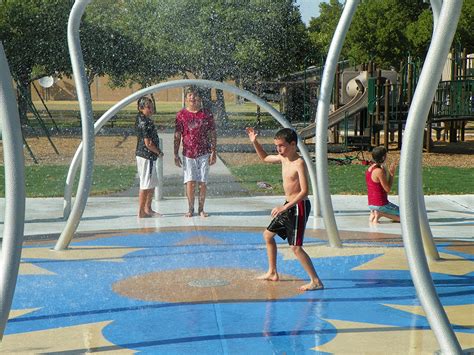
<point x="287" y="134"/>
<point x="192" y="90"/>
<point x="378" y="154"/>
<point x="143" y="102"/>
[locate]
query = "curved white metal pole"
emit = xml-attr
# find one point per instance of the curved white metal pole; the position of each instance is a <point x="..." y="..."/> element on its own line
<point x="85" y="105"/>
<point x="410" y="163"/>
<point x="322" y="115"/>
<point x="180" y="83"/>
<point x="10" y="253"/>
<point x="436" y="9"/>
<point x="427" y="236"/>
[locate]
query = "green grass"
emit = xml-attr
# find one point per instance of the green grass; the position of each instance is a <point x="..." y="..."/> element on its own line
<point x="66" y="114"/>
<point x="350" y="180"/>
<point x="162" y="106"/>
<point x="48" y="180"/>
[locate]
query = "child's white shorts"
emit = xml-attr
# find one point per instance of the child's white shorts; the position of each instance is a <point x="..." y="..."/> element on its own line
<point x="196" y="169"/>
<point x="147" y="173"/>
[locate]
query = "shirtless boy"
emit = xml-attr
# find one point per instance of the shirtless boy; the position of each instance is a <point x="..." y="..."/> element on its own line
<point x="289" y="220"/>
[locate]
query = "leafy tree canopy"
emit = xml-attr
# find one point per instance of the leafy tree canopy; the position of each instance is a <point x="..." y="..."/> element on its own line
<point x="387" y="31"/>
<point x="219" y="39"/>
<point x="321" y="29"/>
<point x="33" y="34"/>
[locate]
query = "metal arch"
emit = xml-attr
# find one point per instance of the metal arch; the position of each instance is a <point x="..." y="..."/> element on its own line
<point x="410" y="164"/>
<point x="10" y="252"/>
<point x="180" y="83"/>
<point x="322" y="115"/>
<point x="427" y="236"/>
<point x="85" y="106"/>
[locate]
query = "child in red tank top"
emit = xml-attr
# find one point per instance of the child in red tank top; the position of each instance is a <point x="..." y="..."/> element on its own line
<point x="378" y="187"/>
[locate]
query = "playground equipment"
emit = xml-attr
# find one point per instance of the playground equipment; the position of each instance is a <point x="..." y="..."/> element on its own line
<point x="357" y="90"/>
<point x="10" y="252"/>
<point x="373" y="101"/>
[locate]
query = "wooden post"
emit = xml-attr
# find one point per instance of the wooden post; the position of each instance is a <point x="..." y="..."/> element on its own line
<point x="409" y="83"/>
<point x="386" y="113"/>
<point x="337" y="87"/>
<point x="377" y="107"/>
<point x="429" y="127"/>
<point x="400" y="106"/>
<point x="464" y="64"/>
<point x="462" y="130"/>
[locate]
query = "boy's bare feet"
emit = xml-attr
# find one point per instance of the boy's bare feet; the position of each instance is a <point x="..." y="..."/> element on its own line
<point x="374" y="217"/>
<point x="312" y="286"/>
<point x="149" y="215"/>
<point x="203" y="214"/>
<point x="269" y="276"/>
<point x="152" y="213"/>
<point x="188" y="214"/>
<point x="371" y="216"/>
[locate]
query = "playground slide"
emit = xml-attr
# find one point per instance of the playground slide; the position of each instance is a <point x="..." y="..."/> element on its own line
<point x="357" y="103"/>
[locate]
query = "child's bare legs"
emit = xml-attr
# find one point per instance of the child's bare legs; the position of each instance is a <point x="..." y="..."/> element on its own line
<point x="272" y="274"/>
<point x="142" y="194"/>
<point x="202" y="199"/>
<point x="190" y="187"/>
<point x="149" y="199"/>
<point x="305" y="260"/>
<point x="144" y="204"/>
<point x="393" y="217"/>
<point x="371" y="216"/>
<point x="379" y="214"/>
<point x="374" y="216"/>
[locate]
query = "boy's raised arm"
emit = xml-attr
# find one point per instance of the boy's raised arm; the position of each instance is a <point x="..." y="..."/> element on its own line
<point x="262" y="154"/>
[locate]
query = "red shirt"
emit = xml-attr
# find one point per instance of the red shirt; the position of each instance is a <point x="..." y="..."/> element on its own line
<point x="375" y="192"/>
<point x="195" y="129"/>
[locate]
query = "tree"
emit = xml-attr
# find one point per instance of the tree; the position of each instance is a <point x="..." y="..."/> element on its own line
<point x="321" y="29"/>
<point x="217" y="40"/>
<point x="34" y="35"/>
<point x="419" y="33"/>
<point x="145" y="41"/>
<point x="464" y="34"/>
<point x="116" y="43"/>
<point x="378" y="31"/>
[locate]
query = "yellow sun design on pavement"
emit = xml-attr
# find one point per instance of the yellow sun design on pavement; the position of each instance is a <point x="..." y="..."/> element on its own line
<point x="390" y="258"/>
<point x="357" y="338"/>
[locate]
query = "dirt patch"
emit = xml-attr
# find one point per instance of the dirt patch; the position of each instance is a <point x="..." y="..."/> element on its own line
<point x="109" y="150"/>
<point x="120" y="150"/>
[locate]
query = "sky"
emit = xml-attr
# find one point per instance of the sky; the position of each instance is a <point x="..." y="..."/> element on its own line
<point x="308" y="9"/>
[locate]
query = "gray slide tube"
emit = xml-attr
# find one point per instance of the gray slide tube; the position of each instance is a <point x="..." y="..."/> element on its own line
<point x="409" y="181"/>
<point x="85" y="106"/>
<point x="14" y="163"/>
<point x="180" y="83"/>
<point x="322" y="117"/>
